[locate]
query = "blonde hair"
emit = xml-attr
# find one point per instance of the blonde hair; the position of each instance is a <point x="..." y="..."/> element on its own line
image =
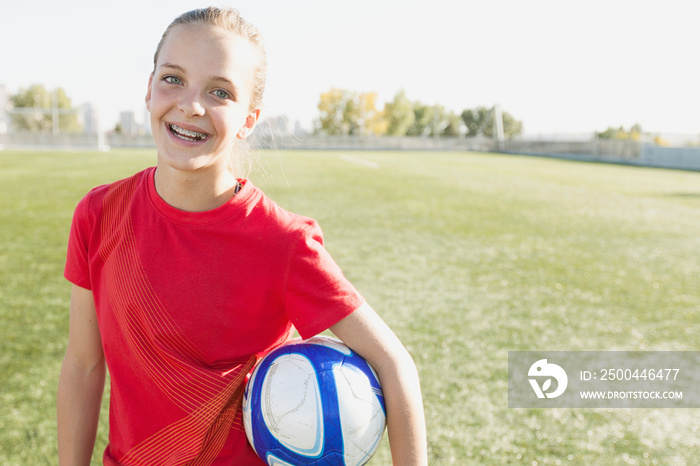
<point x="229" y="19"/>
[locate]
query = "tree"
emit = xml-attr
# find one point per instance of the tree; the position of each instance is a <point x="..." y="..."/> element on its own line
<point x="361" y="117"/>
<point x="373" y="121"/>
<point x="332" y="106"/>
<point x="454" y="123"/>
<point x="399" y="115"/>
<point x="659" y="141"/>
<point x="422" y="120"/>
<point x="634" y="134"/>
<point x="444" y="123"/>
<point x="476" y="120"/>
<point x="479" y="122"/>
<point x="511" y="126"/>
<point x="434" y="120"/>
<point x="38" y="97"/>
<point x="345" y="112"/>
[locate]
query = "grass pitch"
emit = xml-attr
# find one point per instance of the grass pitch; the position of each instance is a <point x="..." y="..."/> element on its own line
<point x="465" y="255"/>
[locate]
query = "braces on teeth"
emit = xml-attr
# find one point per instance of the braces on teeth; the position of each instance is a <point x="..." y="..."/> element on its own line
<point x="185" y="132"/>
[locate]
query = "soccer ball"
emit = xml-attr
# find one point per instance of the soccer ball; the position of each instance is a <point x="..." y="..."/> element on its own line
<point x="314" y="402"/>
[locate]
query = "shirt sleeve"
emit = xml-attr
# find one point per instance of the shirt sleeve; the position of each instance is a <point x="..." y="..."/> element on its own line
<point x="317" y="293"/>
<point x="77" y="270"/>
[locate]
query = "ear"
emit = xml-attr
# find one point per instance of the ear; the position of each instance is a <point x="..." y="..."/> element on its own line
<point x="250" y="123"/>
<point x="148" y="93"/>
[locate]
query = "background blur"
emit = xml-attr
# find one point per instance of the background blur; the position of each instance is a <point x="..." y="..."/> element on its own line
<point x="559" y="67"/>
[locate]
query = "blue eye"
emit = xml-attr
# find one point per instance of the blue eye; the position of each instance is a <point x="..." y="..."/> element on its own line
<point x="170" y="79"/>
<point x="220" y="93"/>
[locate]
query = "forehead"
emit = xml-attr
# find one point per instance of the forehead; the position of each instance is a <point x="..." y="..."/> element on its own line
<point x="209" y="50"/>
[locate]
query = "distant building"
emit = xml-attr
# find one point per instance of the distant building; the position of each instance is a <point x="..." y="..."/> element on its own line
<point x="299" y="129"/>
<point x="88" y="117"/>
<point x="127" y="122"/>
<point x="279" y="127"/>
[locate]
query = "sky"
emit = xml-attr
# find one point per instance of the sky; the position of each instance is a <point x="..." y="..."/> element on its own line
<point x="559" y="66"/>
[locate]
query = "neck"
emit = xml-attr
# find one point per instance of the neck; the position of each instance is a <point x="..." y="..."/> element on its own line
<point x="196" y="191"/>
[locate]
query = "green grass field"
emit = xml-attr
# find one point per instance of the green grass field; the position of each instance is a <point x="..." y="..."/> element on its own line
<point x="465" y="255"/>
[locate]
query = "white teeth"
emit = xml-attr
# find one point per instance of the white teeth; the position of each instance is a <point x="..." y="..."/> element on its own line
<point x="189" y="134"/>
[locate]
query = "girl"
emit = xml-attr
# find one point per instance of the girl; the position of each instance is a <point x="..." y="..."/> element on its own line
<point x="184" y="275"/>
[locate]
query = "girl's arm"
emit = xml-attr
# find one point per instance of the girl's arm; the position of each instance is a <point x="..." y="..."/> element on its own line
<point x="367" y="334"/>
<point x="81" y="382"/>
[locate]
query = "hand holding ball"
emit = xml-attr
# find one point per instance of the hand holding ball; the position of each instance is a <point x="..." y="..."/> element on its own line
<point x="314" y="402"/>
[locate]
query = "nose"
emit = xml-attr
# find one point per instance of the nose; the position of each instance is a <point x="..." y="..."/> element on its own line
<point x="191" y="104"/>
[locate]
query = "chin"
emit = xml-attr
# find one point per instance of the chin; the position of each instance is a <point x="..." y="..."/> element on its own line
<point x="183" y="162"/>
<point x="190" y="161"/>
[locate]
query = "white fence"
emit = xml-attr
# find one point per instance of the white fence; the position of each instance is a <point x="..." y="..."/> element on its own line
<point x="320" y="142"/>
<point x="611" y="151"/>
<point x="598" y="150"/>
<point x="37" y="140"/>
<point x="604" y="148"/>
<point x="671" y="157"/>
<point x="30" y="140"/>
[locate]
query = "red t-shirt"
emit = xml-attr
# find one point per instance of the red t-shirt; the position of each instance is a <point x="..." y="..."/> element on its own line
<point x="186" y="304"/>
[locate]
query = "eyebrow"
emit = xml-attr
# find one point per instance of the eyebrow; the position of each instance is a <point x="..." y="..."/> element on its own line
<point x="213" y="78"/>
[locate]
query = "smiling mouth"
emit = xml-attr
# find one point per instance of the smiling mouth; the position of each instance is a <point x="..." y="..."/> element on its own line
<point x="186" y="134"/>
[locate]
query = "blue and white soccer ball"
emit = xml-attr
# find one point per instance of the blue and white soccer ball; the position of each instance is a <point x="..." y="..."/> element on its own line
<point x="314" y="402"/>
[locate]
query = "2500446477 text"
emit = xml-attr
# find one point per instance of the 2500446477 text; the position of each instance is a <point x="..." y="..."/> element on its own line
<point x="630" y="374"/>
